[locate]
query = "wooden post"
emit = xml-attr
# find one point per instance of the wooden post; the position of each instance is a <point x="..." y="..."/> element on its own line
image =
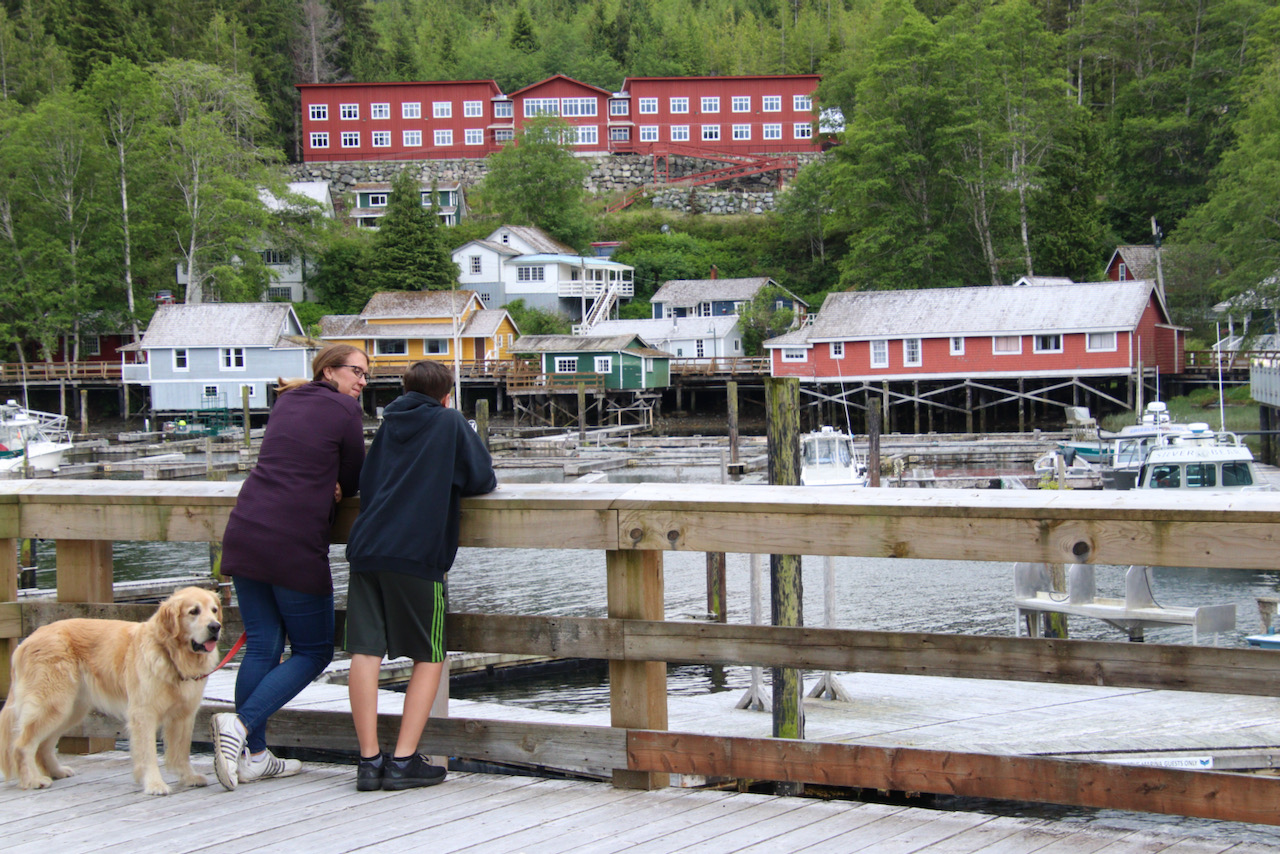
<point x="716" y="587"/>
<point x="915" y="404"/>
<point x="582" y="413"/>
<point x="8" y="593"/>
<point x="1022" y="406"/>
<point x="732" y="392"/>
<point x="968" y="407"/>
<point x="85" y="575"/>
<point x="873" y="443"/>
<point x="124" y="402"/>
<point x="84" y="410"/>
<point x="887" y="423"/>
<point x="244" y="405"/>
<point x="637" y="689"/>
<point x="1268" y="441"/>
<point x="782" y="399"/>
<point x="482" y="420"/>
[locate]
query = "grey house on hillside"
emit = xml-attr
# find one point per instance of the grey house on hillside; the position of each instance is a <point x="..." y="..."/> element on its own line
<point x="201" y="356"/>
<point x="717" y="297"/>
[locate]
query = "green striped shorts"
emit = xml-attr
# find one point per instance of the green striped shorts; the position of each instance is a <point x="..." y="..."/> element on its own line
<point x="392" y="614"/>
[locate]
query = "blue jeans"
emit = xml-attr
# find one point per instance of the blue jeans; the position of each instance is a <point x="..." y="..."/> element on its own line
<point x="264" y="683"/>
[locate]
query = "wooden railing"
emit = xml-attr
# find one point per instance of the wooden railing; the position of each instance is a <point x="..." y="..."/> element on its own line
<point x="1210" y="360"/>
<point x="636" y="524"/>
<point x="729" y="366"/>
<point x="16" y="372"/>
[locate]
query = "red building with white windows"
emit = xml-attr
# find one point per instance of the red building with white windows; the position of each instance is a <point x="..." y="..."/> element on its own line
<point x="1047" y="331"/>
<point x="473" y="118"/>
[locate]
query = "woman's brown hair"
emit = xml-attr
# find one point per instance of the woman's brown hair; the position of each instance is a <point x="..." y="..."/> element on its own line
<point x="333" y="356"/>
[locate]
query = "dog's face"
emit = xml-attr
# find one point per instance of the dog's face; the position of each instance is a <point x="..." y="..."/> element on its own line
<point x="191" y="620"/>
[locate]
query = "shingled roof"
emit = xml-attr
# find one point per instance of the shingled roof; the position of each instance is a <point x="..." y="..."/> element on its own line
<point x="224" y="324"/>
<point x="685" y="293"/>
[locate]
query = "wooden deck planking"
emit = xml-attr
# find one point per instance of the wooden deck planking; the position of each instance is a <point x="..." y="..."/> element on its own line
<point x="320" y="811"/>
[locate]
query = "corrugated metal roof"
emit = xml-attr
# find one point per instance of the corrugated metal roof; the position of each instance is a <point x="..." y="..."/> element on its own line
<point x="688" y="292"/>
<point x="941" y="312"/>
<point x="576" y="343"/>
<point x="223" y="324"/>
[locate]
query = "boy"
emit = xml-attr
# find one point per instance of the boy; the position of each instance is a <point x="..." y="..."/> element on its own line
<point x="424" y="458"/>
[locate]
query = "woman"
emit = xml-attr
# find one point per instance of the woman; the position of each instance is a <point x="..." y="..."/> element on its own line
<point x="276" y="548"/>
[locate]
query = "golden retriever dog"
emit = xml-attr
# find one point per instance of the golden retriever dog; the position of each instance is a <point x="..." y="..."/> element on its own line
<point x="148" y="675"/>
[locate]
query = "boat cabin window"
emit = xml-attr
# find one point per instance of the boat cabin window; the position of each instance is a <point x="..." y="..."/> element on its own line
<point x="1236" y="474"/>
<point x="831" y="451"/>
<point x="1201" y="474"/>
<point x="1166" y="477"/>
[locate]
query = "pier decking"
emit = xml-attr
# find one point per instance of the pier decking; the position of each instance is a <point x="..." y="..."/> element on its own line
<point x="319" y="812"/>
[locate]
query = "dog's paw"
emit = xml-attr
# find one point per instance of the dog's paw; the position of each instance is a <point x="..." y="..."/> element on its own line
<point x="59" y="772"/>
<point x="194" y="779"/>
<point x="155" y="787"/>
<point x="35" y="781"/>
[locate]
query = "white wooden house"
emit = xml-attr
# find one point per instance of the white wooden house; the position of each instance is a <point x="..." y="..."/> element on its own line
<point x="201" y="356"/>
<point x="523" y="262"/>
<point x="683" y="337"/>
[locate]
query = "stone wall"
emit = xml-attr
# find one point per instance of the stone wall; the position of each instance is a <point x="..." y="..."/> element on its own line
<point x="610" y="175"/>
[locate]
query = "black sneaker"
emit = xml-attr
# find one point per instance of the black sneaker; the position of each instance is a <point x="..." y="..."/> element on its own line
<point x="369" y="773"/>
<point x="411" y="773"/>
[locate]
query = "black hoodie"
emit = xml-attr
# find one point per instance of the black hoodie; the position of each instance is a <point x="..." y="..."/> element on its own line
<point x="422" y="461"/>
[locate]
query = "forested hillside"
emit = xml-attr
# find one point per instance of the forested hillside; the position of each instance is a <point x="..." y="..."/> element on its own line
<point x="984" y="140"/>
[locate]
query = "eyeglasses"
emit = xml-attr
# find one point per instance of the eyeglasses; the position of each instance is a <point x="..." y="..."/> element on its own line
<point x="360" y="372"/>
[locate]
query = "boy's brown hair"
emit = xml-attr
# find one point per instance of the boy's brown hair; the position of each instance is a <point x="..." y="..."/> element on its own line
<point x="433" y="379"/>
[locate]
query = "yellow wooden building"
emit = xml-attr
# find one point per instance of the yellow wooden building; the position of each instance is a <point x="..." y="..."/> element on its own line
<point x="397" y="328"/>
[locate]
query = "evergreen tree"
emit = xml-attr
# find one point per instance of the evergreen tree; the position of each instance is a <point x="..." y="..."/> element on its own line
<point x="522" y="35"/>
<point x="1067" y="238"/>
<point x="409" y="252"/>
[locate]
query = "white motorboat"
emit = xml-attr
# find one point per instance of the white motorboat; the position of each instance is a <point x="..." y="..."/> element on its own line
<point x="828" y="458"/>
<point x="1201" y="461"/>
<point x="31" y="439"/>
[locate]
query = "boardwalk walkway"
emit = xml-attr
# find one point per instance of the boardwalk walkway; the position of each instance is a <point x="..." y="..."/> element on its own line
<point x="100" y="811"/>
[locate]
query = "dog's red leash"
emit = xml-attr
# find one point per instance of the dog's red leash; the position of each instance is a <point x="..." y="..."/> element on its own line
<point x="231" y="653"/>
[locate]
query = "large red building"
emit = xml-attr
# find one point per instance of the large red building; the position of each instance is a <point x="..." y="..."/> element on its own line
<point x="473" y="118"/>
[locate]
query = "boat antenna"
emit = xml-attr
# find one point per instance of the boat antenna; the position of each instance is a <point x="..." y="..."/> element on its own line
<point x="844" y="399"/>
<point x="1222" y="406"/>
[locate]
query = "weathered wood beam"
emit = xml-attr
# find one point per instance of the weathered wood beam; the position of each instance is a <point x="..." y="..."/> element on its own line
<point x="1224" y="797"/>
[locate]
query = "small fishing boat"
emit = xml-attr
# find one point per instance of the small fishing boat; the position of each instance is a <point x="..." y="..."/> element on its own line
<point x="31" y="439"/>
<point x="829" y="458"/>
<point x="1201" y="461"/>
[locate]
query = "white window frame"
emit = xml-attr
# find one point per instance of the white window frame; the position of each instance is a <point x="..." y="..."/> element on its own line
<point x="319" y="139"/>
<point x="586" y="135"/>
<point x="391" y="346"/>
<point x="472" y="110"/>
<point x="771" y="131"/>
<point x="740" y="103"/>
<point x="957" y="345"/>
<point x="622" y="134"/>
<point x="503" y="134"/>
<point x="181" y="360"/>
<point x="742" y="132"/>
<point x="473" y="136"/>
<point x="504" y="110"/>
<point x="443" y="137"/>
<point x="530" y="273"/>
<point x="579" y="107"/>
<point x="435" y="346"/>
<point x="442" y="109"/>
<point x="604" y="364"/>
<point x="997" y="339"/>
<point x="411" y="110"/>
<point x="541" y="107"/>
<point x="90" y="345"/>
<point x="912" y="352"/>
<point x="679" y="105"/>
<point x="880" y="354"/>
<point x="795" y="354"/>
<point x="349" y="112"/>
<point x="413" y="139"/>
<point x="1053" y="340"/>
<point x="319" y="112"/>
<point x="802" y="130"/>
<point x="380" y="111"/>
<point x="381" y="138"/>
<point x="771" y="103"/>
<point x="209" y="391"/>
<point x="801" y="103"/>
<point x="351" y="139"/>
<point x="253" y="389"/>
<point x="648" y="106"/>
<point x="710" y="133"/>
<point x="648" y="133"/>
<point x="1091" y="346"/>
<point x="709" y="104"/>
<point x="837" y="349"/>
<point x="679" y="133"/>
<point x="474" y="262"/>
<point x="619" y="107"/>
<point x="566" y="364"/>
<point x="232" y="358"/>
<point x="378" y="200"/>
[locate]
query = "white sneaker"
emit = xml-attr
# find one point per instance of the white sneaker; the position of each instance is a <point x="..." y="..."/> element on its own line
<point x="253" y="768"/>
<point x="229" y="736"/>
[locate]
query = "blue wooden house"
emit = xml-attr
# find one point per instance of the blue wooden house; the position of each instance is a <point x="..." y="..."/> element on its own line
<point x="201" y="356"/>
<point x="716" y="297"/>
